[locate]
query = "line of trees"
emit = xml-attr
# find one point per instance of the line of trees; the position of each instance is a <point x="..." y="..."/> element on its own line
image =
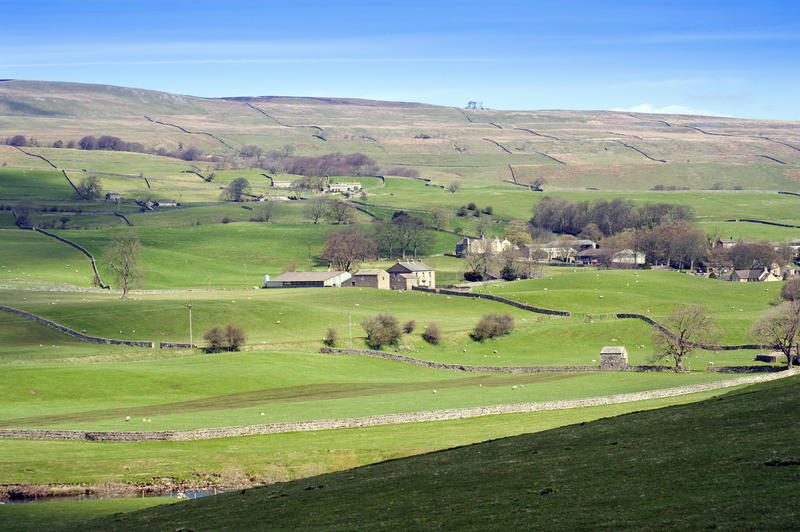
<point x="561" y="215"/>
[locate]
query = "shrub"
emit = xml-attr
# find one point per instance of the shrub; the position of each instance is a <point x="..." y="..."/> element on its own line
<point x="381" y="330"/>
<point x="408" y="327"/>
<point x="234" y="337"/>
<point x="508" y="273"/>
<point x="214" y="337"/>
<point x="432" y="333"/>
<point x="219" y="339"/>
<point x="488" y="210"/>
<point x="492" y="325"/>
<point x="472" y="206"/>
<point x="330" y="337"/>
<point x="473" y="276"/>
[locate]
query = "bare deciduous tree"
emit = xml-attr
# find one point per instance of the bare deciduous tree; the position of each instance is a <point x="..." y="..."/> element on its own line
<point x="688" y="326"/>
<point x="339" y="211"/>
<point x="790" y="291"/>
<point x="439" y="217"/>
<point x="122" y="256"/>
<point x="779" y="328"/>
<point x="347" y="249"/>
<point x="315" y="209"/>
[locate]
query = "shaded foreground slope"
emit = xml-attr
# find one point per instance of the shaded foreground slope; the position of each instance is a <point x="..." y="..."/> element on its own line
<point x="731" y="462"/>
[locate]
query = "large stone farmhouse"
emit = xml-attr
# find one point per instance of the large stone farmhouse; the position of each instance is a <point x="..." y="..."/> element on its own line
<point x="406" y="274"/>
<point x="495" y="246"/>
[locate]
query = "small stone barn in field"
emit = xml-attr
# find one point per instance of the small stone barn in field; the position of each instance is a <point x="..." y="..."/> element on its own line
<point x="403" y="274"/>
<point x="305" y="279"/>
<point x="370" y="278"/>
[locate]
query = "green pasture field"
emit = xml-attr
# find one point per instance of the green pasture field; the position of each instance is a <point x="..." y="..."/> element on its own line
<point x="180" y="255"/>
<point x="710" y="207"/>
<point x="601" y="293"/>
<point x="16" y="184"/>
<point x="537" y="340"/>
<point x="234" y="389"/>
<point x="276" y="457"/>
<point x="50" y="515"/>
<point x="22" y="254"/>
<point x="670" y="461"/>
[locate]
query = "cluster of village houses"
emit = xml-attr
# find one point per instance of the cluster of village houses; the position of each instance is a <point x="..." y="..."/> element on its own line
<point x="580" y="251"/>
<point x="586" y="252"/>
<point x="403" y="275"/>
<point x="331" y="188"/>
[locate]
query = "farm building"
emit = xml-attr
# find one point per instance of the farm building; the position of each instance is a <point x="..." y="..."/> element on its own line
<point x="750" y="276"/>
<point x="370" y="278"/>
<point x="344" y="187"/>
<point x="164" y="202"/>
<point x="724" y="243"/>
<point x="403" y="281"/>
<point x="113" y="196"/>
<point x="305" y="279"/>
<point x="473" y="245"/>
<point x="281" y="184"/>
<point x="565" y="250"/>
<point x="424" y="274"/>
<point x="627" y="258"/>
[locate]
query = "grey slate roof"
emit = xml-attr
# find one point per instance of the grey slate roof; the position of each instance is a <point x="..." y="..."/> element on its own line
<point x="306" y="276"/>
<point x="415" y="266"/>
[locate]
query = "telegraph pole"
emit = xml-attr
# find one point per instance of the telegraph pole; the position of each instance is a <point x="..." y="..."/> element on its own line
<point x="189" y="306"/>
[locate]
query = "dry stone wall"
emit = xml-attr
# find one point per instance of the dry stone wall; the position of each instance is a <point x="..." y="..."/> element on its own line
<point x="79" y="248"/>
<point x="456" y="367"/>
<point x="384" y="419"/>
<point x="73" y="333"/>
<point x="701" y="346"/>
<point x="498" y="299"/>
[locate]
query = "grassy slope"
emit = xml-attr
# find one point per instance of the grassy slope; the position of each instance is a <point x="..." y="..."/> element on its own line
<point x="661" y="469"/>
<point x="40" y="516"/>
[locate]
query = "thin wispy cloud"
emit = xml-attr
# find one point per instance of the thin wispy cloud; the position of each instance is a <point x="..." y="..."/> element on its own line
<point x="220" y="61"/>
<point x="666" y="38"/>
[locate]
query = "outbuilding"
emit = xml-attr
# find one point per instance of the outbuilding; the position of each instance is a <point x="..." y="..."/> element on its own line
<point x="370" y="279"/>
<point x="307" y="279"/>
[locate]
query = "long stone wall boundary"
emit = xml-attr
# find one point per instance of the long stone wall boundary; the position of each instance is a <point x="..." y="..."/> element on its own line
<point x="695" y="344"/>
<point x="456" y="367"/>
<point x="382" y="419"/>
<point x="73" y="333"/>
<point x="490" y="297"/>
<point x="80" y="248"/>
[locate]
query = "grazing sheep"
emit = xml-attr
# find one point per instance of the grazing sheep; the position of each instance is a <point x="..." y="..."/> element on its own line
<point x="435" y="392"/>
<point x="127" y="418"/>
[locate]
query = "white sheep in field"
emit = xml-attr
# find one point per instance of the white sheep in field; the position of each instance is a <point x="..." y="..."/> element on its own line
<point x="435" y="392"/>
<point x="127" y="418"/>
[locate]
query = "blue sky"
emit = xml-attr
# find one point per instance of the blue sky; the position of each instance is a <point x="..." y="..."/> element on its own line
<point x="718" y="57"/>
